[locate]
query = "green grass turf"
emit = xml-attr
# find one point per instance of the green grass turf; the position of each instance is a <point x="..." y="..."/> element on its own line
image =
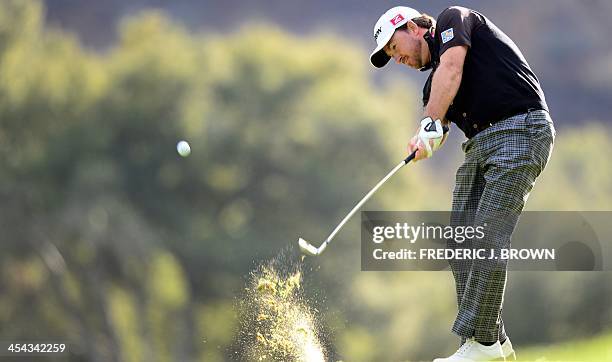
<point x="596" y="349"/>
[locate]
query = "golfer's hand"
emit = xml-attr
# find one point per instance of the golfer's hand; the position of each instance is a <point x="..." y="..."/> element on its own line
<point x="429" y="137"/>
<point x="414" y="145"/>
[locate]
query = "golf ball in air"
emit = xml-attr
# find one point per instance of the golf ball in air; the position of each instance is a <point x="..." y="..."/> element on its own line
<point x="183" y="148"/>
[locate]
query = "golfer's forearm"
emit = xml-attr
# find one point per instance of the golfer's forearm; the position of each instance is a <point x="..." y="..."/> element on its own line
<point x="444" y="87"/>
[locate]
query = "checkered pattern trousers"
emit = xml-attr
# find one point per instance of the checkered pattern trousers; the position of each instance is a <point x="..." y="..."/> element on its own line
<point x="501" y="165"/>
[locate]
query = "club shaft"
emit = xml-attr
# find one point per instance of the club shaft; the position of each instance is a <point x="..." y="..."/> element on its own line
<point x="367" y="197"/>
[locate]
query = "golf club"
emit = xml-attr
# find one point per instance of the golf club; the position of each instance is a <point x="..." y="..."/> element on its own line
<point x="310" y="249"/>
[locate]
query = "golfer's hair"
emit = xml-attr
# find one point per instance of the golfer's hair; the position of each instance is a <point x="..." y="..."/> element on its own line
<point x="424" y="21"/>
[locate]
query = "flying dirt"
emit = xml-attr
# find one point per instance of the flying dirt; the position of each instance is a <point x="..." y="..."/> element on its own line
<point x="276" y="322"/>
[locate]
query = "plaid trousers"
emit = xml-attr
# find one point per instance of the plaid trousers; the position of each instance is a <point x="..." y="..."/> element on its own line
<point x="501" y="165"/>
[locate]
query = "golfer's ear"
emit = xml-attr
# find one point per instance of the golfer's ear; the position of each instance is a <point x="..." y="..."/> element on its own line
<point x="412" y="26"/>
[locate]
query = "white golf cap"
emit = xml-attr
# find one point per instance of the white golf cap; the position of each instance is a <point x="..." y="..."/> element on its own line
<point x="384" y="29"/>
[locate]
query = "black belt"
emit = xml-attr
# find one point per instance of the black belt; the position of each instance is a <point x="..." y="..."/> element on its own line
<point x="481" y="127"/>
<point x="476" y="128"/>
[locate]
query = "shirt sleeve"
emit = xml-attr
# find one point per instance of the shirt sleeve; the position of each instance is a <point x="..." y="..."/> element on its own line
<point x="454" y="27"/>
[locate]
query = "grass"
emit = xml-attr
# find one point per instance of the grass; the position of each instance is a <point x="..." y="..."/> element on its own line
<point x="597" y="349"/>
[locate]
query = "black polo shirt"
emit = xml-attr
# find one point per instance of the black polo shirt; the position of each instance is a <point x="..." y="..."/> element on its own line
<point x="497" y="82"/>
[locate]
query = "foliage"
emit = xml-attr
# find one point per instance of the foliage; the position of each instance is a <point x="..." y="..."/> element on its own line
<point x="114" y="243"/>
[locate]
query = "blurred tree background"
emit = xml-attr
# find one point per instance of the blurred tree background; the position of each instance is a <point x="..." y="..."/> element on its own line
<point x="114" y="243"/>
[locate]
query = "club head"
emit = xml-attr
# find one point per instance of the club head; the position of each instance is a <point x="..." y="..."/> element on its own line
<point x="307" y="247"/>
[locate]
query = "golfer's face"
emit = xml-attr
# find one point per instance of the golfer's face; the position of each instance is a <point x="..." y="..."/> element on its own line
<point x="406" y="49"/>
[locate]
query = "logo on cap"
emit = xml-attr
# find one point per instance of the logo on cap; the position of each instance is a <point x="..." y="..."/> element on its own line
<point x="397" y="19"/>
<point x="377" y="33"/>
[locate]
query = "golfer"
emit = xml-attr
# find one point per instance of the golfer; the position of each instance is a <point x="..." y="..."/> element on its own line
<point x="480" y="81"/>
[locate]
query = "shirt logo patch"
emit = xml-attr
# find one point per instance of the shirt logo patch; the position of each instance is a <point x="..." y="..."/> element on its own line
<point x="397" y="19"/>
<point x="447" y="35"/>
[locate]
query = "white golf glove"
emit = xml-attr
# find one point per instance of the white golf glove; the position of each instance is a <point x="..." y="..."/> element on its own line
<point x="431" y="135"/>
